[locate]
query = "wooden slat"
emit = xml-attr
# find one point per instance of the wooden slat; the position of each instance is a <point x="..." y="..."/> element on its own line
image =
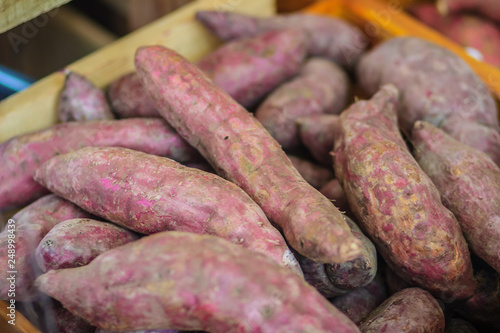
<point x="35" y="108"/>
<point x="15" y="12"/>
<point x="22" y="325"/>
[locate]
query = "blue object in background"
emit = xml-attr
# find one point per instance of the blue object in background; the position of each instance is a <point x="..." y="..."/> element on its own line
<point x="12" y="82"/>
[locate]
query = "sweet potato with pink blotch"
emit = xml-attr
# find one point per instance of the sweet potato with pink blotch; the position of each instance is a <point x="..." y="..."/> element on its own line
<point x="77" y="242"/>
<point x="317" y="134"/>
<point x="148" y="194"/>
<point x="314" y="174"/>
<point x="192" y="282"/>
<point x="241" y="150"/>
<point x="396" y="203"/>
<point x="247" y="69"/>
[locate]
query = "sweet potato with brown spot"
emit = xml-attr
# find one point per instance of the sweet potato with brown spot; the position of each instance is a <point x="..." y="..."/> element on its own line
<point x="241" y="150"/>
<point x="247" y="69"/>
<point x="320" y="87"/>
<point x="80" y="100"/>
<point x="28" y="228"/>
<point x="327" y="37"/>
<point x="334" y="191"/>
<point x="317" y="134"/>
<point x="21" y="156"/>
<point x="488" y="8"/>
<point x="129" y="99"/>
<point x="148" y="194"/>
<point x="192" y="282"/>
<point x="469" y="184"/>
<point x="396" y="203"/>
<point x="77" y="242"/>
<point x="314" y="174"/>
<point x="411" y="310"/>
<point x="457" y="325"/>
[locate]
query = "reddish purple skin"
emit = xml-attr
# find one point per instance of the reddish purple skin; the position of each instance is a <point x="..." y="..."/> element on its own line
<point x="333" y="190"/>
<point x="31" y="225"/>
<point x="77" y="242"/>
<point x="412" y="310"/>
<point x="80" y="100"/>
<point x="314" y="174"/>
<point x="359" y="303"/>
<point x="321" y="87"/>
<point x="249" y="68"/>
<point x="488" y="8"/>
<point x="21" y="156"/>
<point x="457" y="325"/>
<point x="129" y="99"/>
<point x="192" y="282"/>
<point x="148" y="194"/>
<point x="317" y="134"/>
<point x="396" y="203"/>
<point x="434" y="83"/>
<point x="327" y="37"/>
<point x="469" y="184"/>
<point x="241" y="150"/>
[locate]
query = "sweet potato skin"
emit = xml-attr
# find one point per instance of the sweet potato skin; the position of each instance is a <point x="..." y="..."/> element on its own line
<point x="80" y="100"/>
<point x="317" y="134"/>
<point x="469" y="184"/>
<point x="488" y="8"/>
<point x="31" y="224"/>
<point x="21" y="156"/>
<point x="409" y="310"/>
<point x="148" y="194"/>
<point x="247" y="69"/>
<point x="225" y="288"/>
<point x="343" y="47"/>
<point x="314" y="174"/>
<point x="129" y="99"/>
<point x="320" y="87"/>
<point x="241" y="150"/>
<point x="77" y="242"/>
<point x="396" y="203"/>
<point x="333" y="190"/>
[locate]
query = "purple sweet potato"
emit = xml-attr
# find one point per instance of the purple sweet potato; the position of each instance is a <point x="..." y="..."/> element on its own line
<point x="80" y="100"/>
<point x="469" y="184"/>
<point x="241" y="150"/>
<point x="396" y="203"/>
<point x="327" y="37"/>
<point x="488" y="8"/>
<point x="192" y="282"/>
<point x="314" y="174"/>
<point x="411" y="310"/>
<point x="129" y="99"/>
<point x="77" y="242"/>
<point x="434" y="83"/>
<point x="317" y="134"/>
<point x="321" y="87"/>
<point x="457" y="325"/>
<point x="359" y="303"/>
<point x="247" y="69"/>
<point x="21" y="156"/>
<point x="28" y="228"/>
<point x="148" y="194"/>
<point x="334" y="191"/>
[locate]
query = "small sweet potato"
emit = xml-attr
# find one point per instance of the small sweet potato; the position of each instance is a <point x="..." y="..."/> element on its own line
<point x="28" y="228"/>
<point x="148" y="194"/>
<point x="192" y="282"/>
<point x="320" y="87"/>
<point x="80" y="100"/>
<point x="21" y="156"/>
<point x="334" y="191"/>
<point x="396" y="203"/>
<point x="410" y="310"/>
<point x="314" y="174"/>
<point x="241" y="150"/>
<point x="77" y="242"/>
<point x="247" y="69"/>
<point x="327" y="37"/>
<point x="317" y="134"/>
<point x="469" y="184"/>
<point x="457" y="325"/>
<point x="129" y="99"/>
<point x="488" y="8"/>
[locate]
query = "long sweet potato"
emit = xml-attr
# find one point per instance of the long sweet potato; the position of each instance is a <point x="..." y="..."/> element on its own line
<point x="21" y="156"/>
<point x="314" y="174"/>
<point x="327" y="37"/>
<point x="247" y="69"/>
<point x="321" y="87"/>
<point x="396" y="203"/>
<point x="192" y="282"/>
<point x="469" y="184"/>
<point x="28" y="228"/>
<point x="488" y="8"/>
<point x="148" y="194"/>
<point x="77" y="242"/>
<point x="241" y="150"/>
<point x="317" y="134"/>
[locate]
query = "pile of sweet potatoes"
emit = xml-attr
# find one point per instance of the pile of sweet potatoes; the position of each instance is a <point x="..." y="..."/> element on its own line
<point x="313" y="214"/>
